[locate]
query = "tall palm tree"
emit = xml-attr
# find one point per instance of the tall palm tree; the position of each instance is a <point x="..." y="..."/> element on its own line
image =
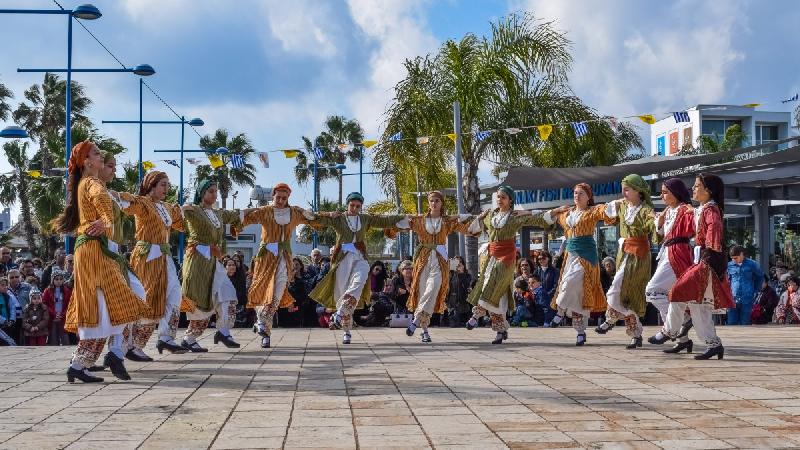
<point x="517" y="76"/>
<point x="226" y="175"/>
<point x="14" y="187"/>
<point x="5" y="107"/>
<point x="338" y="130"/>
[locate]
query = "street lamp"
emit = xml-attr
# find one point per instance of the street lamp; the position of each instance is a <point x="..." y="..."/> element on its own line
<point x="13" y="132"/>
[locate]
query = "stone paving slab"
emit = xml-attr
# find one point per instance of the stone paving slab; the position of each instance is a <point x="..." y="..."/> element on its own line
<point x="388" y="391"/>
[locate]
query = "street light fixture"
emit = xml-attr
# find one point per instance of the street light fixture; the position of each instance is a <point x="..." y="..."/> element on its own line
<point x="13" y="132"/>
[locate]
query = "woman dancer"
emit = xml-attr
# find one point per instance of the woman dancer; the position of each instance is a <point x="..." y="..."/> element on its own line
<point x="674" y="228"/>
<point x="579" y="290"/>
<point x="430" y="279"/>
<point x="343" y="287"/>
<point x="626" y="296"/>
<point x="492" y="293"/>
<point x="704" y="286"/>
<point x="206" y="288"/>
<point x="102" y="304"/>
<point x="152" y="261"/>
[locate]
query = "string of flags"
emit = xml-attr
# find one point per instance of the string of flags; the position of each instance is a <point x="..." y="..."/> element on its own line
<point x="793" y="98"/>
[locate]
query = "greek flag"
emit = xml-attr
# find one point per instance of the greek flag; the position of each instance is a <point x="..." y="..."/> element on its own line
<point x="791" y="99"/>
<point x="318" y="153"/>
<point x="396" y="137"/>
<point x="237" y="161"/>
<point x="172" y="162"/>
<point x="581" y="128"/>
<point x="482" y="135"/>
<point x="681" y="116"/>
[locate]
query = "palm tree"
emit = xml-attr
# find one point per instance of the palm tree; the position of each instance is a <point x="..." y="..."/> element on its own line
<point x="14" y="187"/>
<point x="338" y="131"/>
<point x="325" y="237"/>
<point x="5" y="108"/>
<point x="226" y="175"/>
<point x="515" y="77"/>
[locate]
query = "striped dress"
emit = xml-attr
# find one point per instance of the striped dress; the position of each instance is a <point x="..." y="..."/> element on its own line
<point x="154" y="220"/>
<point x="205" y="229"/>
<point x="95" y="271"/>
<point x="630" y="281"/>
<point x="274" y="253"/>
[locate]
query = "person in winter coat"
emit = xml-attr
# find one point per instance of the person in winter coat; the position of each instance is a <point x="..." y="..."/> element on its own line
<point x="56" y="299"/>
<point x="35" y="320"/>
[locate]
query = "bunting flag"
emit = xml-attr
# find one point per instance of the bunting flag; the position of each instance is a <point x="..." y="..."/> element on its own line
<point x="147" y="165"/>
<point x="193" y="161"/>
<point x="215" y="161"/>
<point x="647" y="118"/>
<point x="751" y="105"/>
<point x="580" y="128"/>
<point x="344" y="148"/>
<point x="172" y="162"/>
<point x="396" y="137"/>
<point x="34" y="173"/>
<point x="681" y="116"/>
<point x="452" y="137"/>
<point x="318" y="152"/>
<point x="481" y="136"/>
<point x="264" y="158"/>
<point x="513" y="130"/>
<point x="791" y="99"/>
<point x="613" y="123"/>
<point x="423" y="140"/>
<point x="291" y="153"/>
<point x="544" y="131"/>
<point x="369" y="144"/>
<point x="237" y="161"/>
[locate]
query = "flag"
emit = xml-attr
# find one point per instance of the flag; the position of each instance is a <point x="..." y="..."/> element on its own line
<point x="34" y="173"/>
<point x="290" y="153"/>
<point x="647" y="118"/>
<point x="193" y="161"/>
<point x="237" y="161"/>
<point x="215" y="161"/>
<point x="544" y="131"/>
<point x="482" y="135"/>
<point x="344" y="148"/>
<point x="369" y="144"/>
<point x="791" y="99"/>
<point x="264" y="158"/>
<point x="172" y="162"/>
<point x="423" y="140"/>
<point x="318" y="152"/>
<point x="681" y="116"/>
<point x="513" y="130"/>
<point x="580" y="128"/>
<point x="751" y="105"/>
<point x="613" y="123"/>
<point x="396" y="137"/>
<point x="147" y="165"/>
<point x="452" y="137"/>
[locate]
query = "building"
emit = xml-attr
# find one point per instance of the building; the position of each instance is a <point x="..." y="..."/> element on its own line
<point x="5" y="220"/>
<point x="668" y="137"/>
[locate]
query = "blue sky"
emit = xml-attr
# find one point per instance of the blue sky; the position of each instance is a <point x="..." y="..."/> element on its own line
<point x="276" y="69"/>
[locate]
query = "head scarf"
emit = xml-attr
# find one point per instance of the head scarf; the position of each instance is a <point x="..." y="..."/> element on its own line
<point x="355" y="196"/>
<point x="281" y="187"/>
<point x="201" y="190"/>
<point x="714" y="185"/>
<point x="151" y="179"/>
<point x="639" y="185"/>
<point x="78" y="156"/>
<point x="508" y="191"/>
<point x="107" y="156"/>
<point x="35" y="291"/>
<point x="588" y="189"/>
<point x="678" y="189"/>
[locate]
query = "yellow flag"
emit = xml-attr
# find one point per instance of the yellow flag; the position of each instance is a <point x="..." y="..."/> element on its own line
<point x="452" y="136"/>
<point x="147" y="165"/>
<point x="647" y="118"/>
<point x="751" y="105"/>
<point x="423" y="140"/>
<point x="290" y="153"/>
<point x="544" y="131"/>
<point x="34" y="173"/>
<point x="369" y="144"/>
<point x="215" y="161"/>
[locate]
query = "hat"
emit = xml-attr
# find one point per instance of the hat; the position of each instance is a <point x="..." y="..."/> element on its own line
<point x="638" y="184"/>
<point x="35" y="291"/>
<point x="508" y="190"/>
<point x="201" y="189"/>
<point x="355" y="196"/>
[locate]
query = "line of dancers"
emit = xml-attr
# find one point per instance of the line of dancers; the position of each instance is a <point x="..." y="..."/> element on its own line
<point x="120" y="303"/>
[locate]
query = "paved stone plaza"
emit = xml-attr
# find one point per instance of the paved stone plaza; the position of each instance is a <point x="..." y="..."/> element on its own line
<point x="387" y="390"/>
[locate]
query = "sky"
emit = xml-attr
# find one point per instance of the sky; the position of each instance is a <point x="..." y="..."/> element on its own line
<point x="275" y="69"/>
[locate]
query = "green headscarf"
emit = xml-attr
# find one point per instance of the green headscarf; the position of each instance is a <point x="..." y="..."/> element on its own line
<point x="508" y="191"/>
<point x="354" y="196"/>
<point x="639" y="185"/>
<point x="201" y="190"/>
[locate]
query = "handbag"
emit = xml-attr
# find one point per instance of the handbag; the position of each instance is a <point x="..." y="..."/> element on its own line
<point x="400" y="318"/>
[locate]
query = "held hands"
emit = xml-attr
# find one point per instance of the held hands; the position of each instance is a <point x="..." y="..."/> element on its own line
<point x="96" y="228"/>
<point x="560" y="210"/>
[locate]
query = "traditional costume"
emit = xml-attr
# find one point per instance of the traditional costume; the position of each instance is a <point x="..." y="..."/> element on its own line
<point x="342" y="288"/>
<point x="626" y="300"/>
<point x="206" y="288"/>
<point x="151" y="260"/>
<point x="492" y="292"/>
<point x="579" y="291"/>
<point x="271" y="265"/>
<point x="704" y="286"/>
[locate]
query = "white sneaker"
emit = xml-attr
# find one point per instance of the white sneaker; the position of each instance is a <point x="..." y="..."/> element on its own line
<point x="346" y="338"/>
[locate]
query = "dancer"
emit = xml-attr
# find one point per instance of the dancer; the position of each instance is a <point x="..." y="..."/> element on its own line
<point x="343" y="287"/>
<point x="102" y="304"/>
<point x="704" y="286"/>
<point x="492" y="293"/>
<point x="674" y="228"/>
<point x="152" y="261"/>
<point x="271" y="265"/>
<point x="579" y="292"/>
<point x="430" y="279"/>
<point x="206" y="288"/>
<point x="626" y="296"/>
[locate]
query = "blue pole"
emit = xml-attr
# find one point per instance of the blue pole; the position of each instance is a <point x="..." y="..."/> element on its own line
<point x="141" y="167"/>
<point x="68" y="124"/>
<point x="181" y="236"/>
<point x="314" y="204"/>
<point x="361" y="171"/>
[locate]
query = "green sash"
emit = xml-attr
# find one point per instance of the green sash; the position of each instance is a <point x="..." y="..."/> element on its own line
<point x="122" y="262"/>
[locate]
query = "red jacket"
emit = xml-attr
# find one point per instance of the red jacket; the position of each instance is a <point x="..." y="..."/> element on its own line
<point x="49" y="299"/>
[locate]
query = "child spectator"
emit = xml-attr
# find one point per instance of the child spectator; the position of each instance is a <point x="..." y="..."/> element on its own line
<point x="525" y="304"/>
<point x="542" y="305"/>
<point x="35" y="320"/>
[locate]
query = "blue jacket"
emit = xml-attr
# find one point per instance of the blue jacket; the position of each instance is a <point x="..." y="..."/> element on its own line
<point x="746" y="280"/>
<point x="549" y="279"/>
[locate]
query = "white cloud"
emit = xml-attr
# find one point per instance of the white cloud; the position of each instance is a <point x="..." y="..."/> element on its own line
<point x="304" y="26"/>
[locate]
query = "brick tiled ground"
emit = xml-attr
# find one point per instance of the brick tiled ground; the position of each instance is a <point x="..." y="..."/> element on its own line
<point x="387" y="390"/>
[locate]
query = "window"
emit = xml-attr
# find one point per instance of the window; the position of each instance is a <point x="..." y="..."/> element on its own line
<point x="766" y="133"/>
<point x="716" y="127"/>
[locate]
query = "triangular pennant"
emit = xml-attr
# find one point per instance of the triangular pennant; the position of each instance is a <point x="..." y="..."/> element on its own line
<point x="264" y="158"/>
<point x="215" y="161"/>
<point x="751" y="105"/>
<point x="544" y="131"/>
<point x="513" y="130"/>
<point x="172" y="162"/>
<point x="369" y="144"/>
<point x="647" y="118"/>
<point x="613" y="123"/>
<point x="423" y="140"/>
<point x="147" y="165"/>
<point x="290" y="153"/>
<point x="344" y="148"/>
<point x="452" y="137"/>
<point x="193" y="161"/>
<point x="34" y="173"/>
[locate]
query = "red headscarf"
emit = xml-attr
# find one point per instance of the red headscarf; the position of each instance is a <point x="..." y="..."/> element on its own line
<point x="78" y="156"/>
<point x="282" y="187"/>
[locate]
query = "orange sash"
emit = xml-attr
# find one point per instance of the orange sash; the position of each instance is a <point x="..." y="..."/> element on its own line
<point x="504" y="251"/>
<point x="637" y="246"/>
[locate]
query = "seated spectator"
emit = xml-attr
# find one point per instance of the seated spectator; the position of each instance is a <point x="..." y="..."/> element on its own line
<point x="765" y="304"/>
<point x="788" y="310"/>
<point x="8" y="313"/>
<point x="379" y="310"/>
<point x="542" y="304"/>
<point x="377" y="278"/>
<point x="401" y="285"/>
<point x="525" y="304"/>
<point x="299" y="289"/>
<point x="458" y="309"/>
<point x="56" y="299"/>
<point x="35" y="320"/>
<point x="524" y="269"/>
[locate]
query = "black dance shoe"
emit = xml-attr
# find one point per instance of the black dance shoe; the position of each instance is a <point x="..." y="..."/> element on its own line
<point x="580" y="340"/>
<point x="73" y="373"/>
<point x="688" y="345"/>
<point x="135" y="357"/>
<point x="194" y="347"/>
<point x="635" y="342"/>
<point x="604" y="328"/>
<point x="265" y="342"/>
<point x="656" y="341"/>
<point x="684" y="331"/>
<point x="226" y="340"/>
<point x="117" y="366"/>
<point x="718" y="351"/>
<point x="172" y="348"/>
